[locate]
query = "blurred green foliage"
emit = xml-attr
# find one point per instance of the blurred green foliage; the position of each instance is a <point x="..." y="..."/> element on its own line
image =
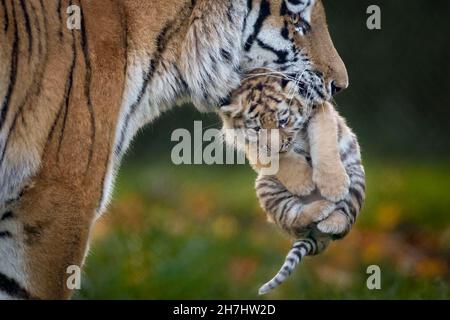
<point x="197" y="232"/>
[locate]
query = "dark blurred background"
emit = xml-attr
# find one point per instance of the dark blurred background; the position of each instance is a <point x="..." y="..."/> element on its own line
<point x="197" y="231"/>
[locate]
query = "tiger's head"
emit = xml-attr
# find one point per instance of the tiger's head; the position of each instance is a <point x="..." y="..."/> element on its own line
<point x="290" y="37"/>
<point x="227" y="39"/>
<point x="261" y="106"/>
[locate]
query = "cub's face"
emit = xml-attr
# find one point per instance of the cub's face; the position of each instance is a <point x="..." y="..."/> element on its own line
<point x="262" y="106"/>
<point x="291" y="37"/>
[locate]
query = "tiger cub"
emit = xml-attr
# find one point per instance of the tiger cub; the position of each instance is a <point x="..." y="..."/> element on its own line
<point x="319" y="188"/>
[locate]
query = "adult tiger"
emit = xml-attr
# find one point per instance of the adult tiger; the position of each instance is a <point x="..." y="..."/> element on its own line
<point x="71" y="101"/>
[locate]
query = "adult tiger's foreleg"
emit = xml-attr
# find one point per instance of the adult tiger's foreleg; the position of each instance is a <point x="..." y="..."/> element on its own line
<point x="44" y="229"/>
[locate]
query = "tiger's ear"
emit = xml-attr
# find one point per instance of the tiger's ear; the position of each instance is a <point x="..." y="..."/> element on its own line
<point x="231" y="110"/>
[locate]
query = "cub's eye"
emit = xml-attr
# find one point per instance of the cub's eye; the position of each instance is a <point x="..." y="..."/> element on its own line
<point x="300" y="24"/>
<point x="283" y="122"/>
<point x="252" y="128"/>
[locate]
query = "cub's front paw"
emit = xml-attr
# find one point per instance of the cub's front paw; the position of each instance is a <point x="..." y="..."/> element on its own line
<point x="333" y="183"/>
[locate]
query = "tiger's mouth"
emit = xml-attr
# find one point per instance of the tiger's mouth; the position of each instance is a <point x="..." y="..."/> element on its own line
<point x="311" y="86"/>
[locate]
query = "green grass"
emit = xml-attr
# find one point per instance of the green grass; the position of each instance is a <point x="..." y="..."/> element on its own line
<point x="197" y="232"/>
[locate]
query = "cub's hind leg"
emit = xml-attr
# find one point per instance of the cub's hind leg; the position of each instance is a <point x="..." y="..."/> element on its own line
<point x="292" y="213"/>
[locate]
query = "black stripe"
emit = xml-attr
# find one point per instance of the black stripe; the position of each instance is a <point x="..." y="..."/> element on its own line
<point x="271" y="194"/>
<point x="146" y="76"/>
<point x="5" y="16"/>
<point x="226" y="55"/>
<point x="249" y="5"/>
<point x="285" y="207"/>
<point x="262" y="185"/>
<point x="36" y="91"/>
<point x="42" y="37"/>
<point x="264" y="12"/>
<point x="298" y="252"/>
<point x="356" y="165"/>
<point x="285" y="272"/>
<point x="275" y="99"/>
<point x="344" y="207"/>
<point x="351" y="208"/>
<point x="5" y="234"/>
<point x="229" y="12"/>
<point x="308" y="242"/>
<point x="313" y="243"/>
<point x="146" y="80"/>
<point x="7" y="215"/>
<point x="359" y="197"/>
<point x="13" y="73"/>
<point x="12" y="288"/>
<point x="285" y="31"/>
<point x="27" y="28"/>
<point x="290" y="260"/>
<point x="249" y="9"/>
<point x="87" y="85"/>
<point x="65" y="104"/>
<point x="61" y="22"/>
<point x="344" y="211"/>
<point x="272" y="203"/>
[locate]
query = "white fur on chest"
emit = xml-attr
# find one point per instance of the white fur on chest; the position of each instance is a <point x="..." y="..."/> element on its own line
<point x="147" y="94"/>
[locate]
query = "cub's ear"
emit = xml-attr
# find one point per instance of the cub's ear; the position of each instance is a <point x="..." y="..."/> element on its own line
<point x="231" y="111"/>
<point x="225" y="101"/>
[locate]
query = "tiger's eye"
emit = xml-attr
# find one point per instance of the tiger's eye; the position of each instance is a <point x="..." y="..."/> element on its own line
<point x="282" y="123"/>
<point x="300" y="24"/>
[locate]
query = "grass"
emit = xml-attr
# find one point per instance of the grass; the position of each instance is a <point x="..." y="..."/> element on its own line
<point x="197" y="232"/>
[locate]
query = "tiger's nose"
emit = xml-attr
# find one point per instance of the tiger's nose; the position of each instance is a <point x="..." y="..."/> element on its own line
<point x="336" y="87"/>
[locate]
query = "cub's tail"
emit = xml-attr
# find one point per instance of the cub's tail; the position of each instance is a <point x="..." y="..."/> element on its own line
<point x="300" y="249"/>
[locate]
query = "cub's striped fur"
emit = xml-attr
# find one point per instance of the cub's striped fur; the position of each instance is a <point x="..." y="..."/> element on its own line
<point x="319" y="188"/>
<point x="72" y="100"/>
